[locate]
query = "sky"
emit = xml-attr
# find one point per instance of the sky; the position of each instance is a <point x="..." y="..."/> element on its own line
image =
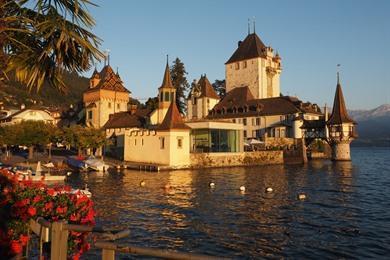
<point x="311" y="36"/>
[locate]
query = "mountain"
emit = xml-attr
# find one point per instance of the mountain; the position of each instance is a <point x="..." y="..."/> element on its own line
<point x="381" y="111"/>
<point x="13" y="93"/>
<point x="373" y="126"/>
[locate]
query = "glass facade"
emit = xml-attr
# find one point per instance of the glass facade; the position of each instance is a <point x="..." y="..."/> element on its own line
<point x="214" y="140"/>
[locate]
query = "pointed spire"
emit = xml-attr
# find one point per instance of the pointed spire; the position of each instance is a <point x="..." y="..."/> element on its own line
<point x="254" y="25"/>
<point x="249" y="26"/>
<point x="339" y="113"/>
<point x="167" y="80"/>
<point x="117" y="71"/>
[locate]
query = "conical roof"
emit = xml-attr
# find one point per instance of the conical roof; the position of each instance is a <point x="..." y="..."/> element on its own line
<point x="339" y="113"/>
<point x="206" y="89"/>
<point x="251" y="47"/>
<point x="167" y="80"/>
<point x="172" y="119"/>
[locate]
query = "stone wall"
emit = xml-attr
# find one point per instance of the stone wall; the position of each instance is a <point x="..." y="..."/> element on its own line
<point x="206" y="160"/>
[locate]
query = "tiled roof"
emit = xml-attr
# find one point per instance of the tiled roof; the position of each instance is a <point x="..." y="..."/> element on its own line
<point x="127" y="119"/>
<point x="167" y="80"/>
<point x="339" y="113"/>
<point x="251" y="47"/>
<point x="206" y="89"/>
<point x="108" y="80"/>
<point x="172" y="119"/>
<point x="239" y="102"/>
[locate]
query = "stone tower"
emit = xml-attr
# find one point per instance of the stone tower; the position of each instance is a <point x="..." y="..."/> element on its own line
<point x="201" y="99"/>
<point x="254" y="65"/>
<point x="166" y="95"/>
<point x="106" y="95"/>
<point x="341" y="127"/>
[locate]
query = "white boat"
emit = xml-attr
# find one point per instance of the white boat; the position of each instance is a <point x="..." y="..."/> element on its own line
<point x="96" y="164"/>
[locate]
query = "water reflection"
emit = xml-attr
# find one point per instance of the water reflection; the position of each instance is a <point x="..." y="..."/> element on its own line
<point x="340" y="215"/>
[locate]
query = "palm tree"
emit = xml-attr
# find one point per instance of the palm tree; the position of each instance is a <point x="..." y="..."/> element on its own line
<point x="42" y="38"/>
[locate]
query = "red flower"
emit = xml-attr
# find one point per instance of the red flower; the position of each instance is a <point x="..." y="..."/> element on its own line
<point x="32" y="211"/>
<point x="74" y="217"/>
<point x="51" y="192"/>
<point x="37" y="198"/>
<point x="48" y="205"/>
<point x="16" y="247"/>
<point x="61" y="210"/>
<point x="23" y="239"/>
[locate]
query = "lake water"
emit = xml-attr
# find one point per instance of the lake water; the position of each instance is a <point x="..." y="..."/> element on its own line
<point x="346" y="213"/>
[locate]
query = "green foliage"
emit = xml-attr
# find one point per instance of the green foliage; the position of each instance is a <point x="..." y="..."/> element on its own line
<point x="27" y="133"/>
<point x="83" y="137"/>
<point x="179" y="80"/>
<point x="220" y="87"/>
<point x="152" y="103"/>
<point x="42" y="38"/>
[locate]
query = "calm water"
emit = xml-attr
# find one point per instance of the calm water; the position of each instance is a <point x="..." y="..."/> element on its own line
<point x="346" y="213"/>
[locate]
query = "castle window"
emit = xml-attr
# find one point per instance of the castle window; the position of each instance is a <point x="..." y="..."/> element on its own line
<point x="179" y="142"/>
<point x="194" y="101"/>
<point x="109" y="104"/>
<point x="89" y="115"/>
<point x="118" y="106"/>
<point x="172" y="96"/>
<point x="237" y="66"/>
<point x="244" y="121"/>
<point x="161" y="97"/>
<point x="135" y="142"/>
<point x="244" y="64"/>
<point x="245" y="134"/>
<point x="162" y="142"/>
<point x="142" y="142"/>
<point x="234" y="120"/>
<point x="258" y="121"/>
<point x="166" y="96"/>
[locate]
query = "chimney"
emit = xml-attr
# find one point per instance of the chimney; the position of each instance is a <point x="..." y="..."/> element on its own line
<point x="239" y="43"/>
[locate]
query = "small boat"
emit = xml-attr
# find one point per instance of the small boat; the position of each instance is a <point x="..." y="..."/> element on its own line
<point x="76" y="162"/>
<point x="84" y="191"/>
<point x="96" y="164"/>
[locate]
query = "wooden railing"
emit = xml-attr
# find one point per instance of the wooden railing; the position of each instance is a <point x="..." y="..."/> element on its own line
<point x="57" y="234"/>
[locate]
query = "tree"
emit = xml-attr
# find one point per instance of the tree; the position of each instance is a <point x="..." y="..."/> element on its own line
<point x="152" y="103"/>
<point x="42" y="38"/>
<point x="31" y="134"/>
<point x="84" y="137"/>
<point x="220" y="87"/>
<point x="179" y="81"/>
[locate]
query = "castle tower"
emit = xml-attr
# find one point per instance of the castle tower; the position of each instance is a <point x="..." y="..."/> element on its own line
<point x="106" y="95"/>
<point x="166" y="95"/>
<point x="254" y="65"/>
<point x="341" y="127"/>
<point x="201" y="99"/>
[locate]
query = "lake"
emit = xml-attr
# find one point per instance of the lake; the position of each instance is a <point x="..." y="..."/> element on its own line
<point x="346" y="213"/>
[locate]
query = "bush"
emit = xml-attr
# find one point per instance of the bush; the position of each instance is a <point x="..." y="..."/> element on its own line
<point x="21" y="201"/>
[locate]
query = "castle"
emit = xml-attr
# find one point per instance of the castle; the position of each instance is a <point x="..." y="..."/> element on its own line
<point x="253" y="108"/>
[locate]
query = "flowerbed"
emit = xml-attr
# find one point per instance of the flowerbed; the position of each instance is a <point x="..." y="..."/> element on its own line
<point x="21" y="201"/>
